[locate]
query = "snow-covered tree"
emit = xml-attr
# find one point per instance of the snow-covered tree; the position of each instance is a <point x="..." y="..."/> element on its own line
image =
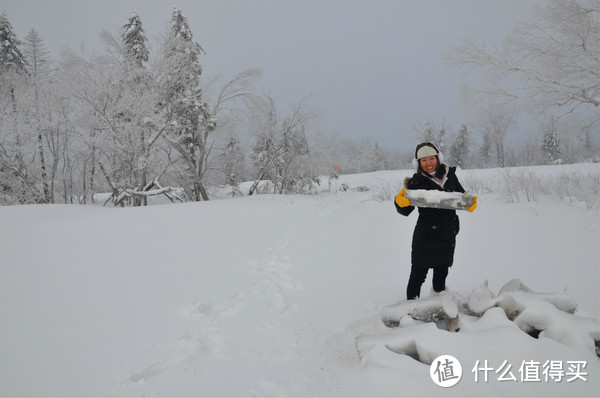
<point x="182" y="90"/>
<point x="267" y="151"/>
<point x="232" y="165"/>
<point x="281" y="151"/>
<point x="495" y="122"/>
<point x="485" y="150"/>
<point x="231" y="107"/>
<point x="19" y="182"/>
<point x="551" y="143"/>
<point x="36" y="55"/>
<point x="379" y="158"/>
<point x="134" y="43"/>
<point x="134" y="40"/>
<point x="588" y="139"/>
<point x="11" y="56"/>
<point x="38" y="59"/>
<point x="120" y="121"/>
<point x="368" y="156"/>
<point x="34" y="145"/>
<point x="430" y="133"/>
<point x="551" y="60"/>
<point x="460" y="149"/>
<point x="292" y="174"/>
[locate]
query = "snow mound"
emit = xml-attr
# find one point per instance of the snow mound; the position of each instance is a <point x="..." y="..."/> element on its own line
<point x="550" y="315"/>
<point x="420" y="328"/>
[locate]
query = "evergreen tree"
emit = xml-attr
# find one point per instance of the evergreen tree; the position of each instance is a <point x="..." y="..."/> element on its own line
<point x="441" y="140"/>
<point x="12" y="60"/>
<point x="14" y="176"/>
<point x="551" y="143"/>
<point x="138" y="83"/>
<point x="191" y="120"/>
<point x="459" y="151"/>
<point x="11" y="57"/>
<point x="36" y="55"/>
<point x="485" y="150"/>
<point x="430" y="133"/>
<point x="380" y="163"/>
<point x="134" y="39"/>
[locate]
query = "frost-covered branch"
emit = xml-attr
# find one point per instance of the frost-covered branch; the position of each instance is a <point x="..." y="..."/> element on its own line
<point x="551" y="60"/>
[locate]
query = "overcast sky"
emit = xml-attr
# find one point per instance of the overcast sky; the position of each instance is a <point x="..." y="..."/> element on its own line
<point x="373" y="68"/>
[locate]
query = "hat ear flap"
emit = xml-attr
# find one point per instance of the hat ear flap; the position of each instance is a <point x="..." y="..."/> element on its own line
<point x="440" y="157"/>
<point x="415" y="163"/>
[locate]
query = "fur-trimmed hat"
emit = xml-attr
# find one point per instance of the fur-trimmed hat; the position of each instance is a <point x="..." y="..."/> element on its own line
<point x="426" y="149"/>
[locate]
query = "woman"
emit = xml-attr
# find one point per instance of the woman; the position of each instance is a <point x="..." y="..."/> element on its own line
<point x="434" y="237"/>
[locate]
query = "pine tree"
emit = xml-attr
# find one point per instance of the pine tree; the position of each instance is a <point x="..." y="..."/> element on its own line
<point x="484" y="151"/>
<point x="183" y="98"/>
<point x="380" y="163"/>
<point x="429" y="133"/>
<point x="11" y="57"/>
<point x="138" y="82"/>
<point x="36" y="55"/>
<point x="12" y="60"/>
<point x="459" y="151"/>
<point x="134" y="39"/>
<point x="551" y="143"/>
<point x="14" y="176"/>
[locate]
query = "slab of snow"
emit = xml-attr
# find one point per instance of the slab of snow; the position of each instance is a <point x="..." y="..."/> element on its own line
<point x="439" y="199"/>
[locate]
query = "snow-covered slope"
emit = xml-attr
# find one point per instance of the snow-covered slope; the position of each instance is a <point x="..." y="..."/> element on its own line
<point x="267" y="295"/>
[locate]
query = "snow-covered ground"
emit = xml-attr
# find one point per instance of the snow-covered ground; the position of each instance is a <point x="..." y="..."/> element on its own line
<point x="267" y="295"/>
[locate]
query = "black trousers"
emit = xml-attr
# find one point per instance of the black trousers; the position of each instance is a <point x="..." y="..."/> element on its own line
<point x="418" y="276"/>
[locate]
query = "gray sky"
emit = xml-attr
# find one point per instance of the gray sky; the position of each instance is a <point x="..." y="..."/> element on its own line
<point x="372" y="67"/>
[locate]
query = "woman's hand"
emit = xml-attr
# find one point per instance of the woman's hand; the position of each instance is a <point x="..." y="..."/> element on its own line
<point x="473" y="206"/>
<point x="401" y="200"/>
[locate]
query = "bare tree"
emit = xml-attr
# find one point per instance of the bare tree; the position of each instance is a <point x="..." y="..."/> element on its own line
<point x="553" y="60"/>
<point x="38" y="59"/>
<point x="281" y="151"/>
<point x="494" y="124"/>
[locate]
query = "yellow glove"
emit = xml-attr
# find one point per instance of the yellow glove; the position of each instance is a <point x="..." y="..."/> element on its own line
<point x="401" y="200"/>
<point x="473" y="206"/>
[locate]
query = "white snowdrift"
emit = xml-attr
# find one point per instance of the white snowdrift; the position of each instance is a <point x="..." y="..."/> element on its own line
<point x="537" y="314"/>
<point x="446" y="324"/>
<point x="267" y="295"/>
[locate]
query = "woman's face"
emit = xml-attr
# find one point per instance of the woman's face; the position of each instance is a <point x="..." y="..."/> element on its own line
<point x="429" y="164"/>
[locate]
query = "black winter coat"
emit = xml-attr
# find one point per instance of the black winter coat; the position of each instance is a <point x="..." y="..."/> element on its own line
<point x="434" y="237"/>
